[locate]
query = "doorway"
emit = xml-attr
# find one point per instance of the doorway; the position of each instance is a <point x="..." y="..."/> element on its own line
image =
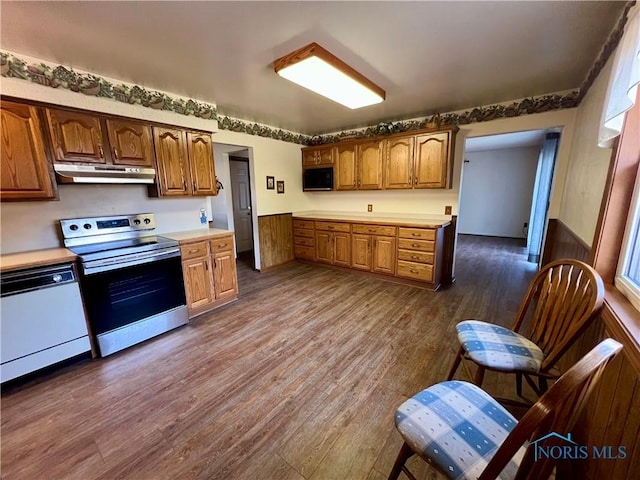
<point x="505" y="187"/>
<point x="240" y="182"/>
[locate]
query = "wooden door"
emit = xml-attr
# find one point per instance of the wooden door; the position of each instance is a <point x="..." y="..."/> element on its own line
<point x="345" y="168"/>
<point x="225" y="275"/>
<point x="76" y="137"/>
<point x="25" y="172"/>
<point x="324" y="250"/>
<point x="398" y="163"/>
<point x="342" y="249"/>
<point x="171" y="156"/>
<point x="198" y="283"/>
<point x="325" y="156"/>
<point x="431" y="167"/>
<point x="384" y="254"/>
<point x="369" y="159"/>
<point x="131" y="143"/>
<point x="203" y="172"/>
<point x="309" y="157"/>
<point x="361" y="252"/>
<point x="241" y="200"/>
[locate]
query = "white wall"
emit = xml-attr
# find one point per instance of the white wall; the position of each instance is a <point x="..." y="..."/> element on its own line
<point x="588" y="164"/>
<point x="497" y="189"/>
<point x="34" y="225"/>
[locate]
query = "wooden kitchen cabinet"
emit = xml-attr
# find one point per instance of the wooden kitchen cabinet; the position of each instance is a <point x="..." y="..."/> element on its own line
<point x="317" y="156"/>
<point x="131" y="143"/>
<point x="433" y="164"/>
<point x="369" y="165"/>
<point x="398" y="162"/>
<point x="374" y="248"/>
<point x="209" y="272"/>
<point x="173" y="176"/>
<point x="304" y="239"/>
<point x="76" y="137"/>
<point x="203" y="173"/>
<point x="345" y="170"/>
<point x="333" y="243"/>
<point x="25" y="169"/>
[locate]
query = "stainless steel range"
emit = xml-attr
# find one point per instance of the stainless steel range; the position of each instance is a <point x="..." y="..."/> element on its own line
<point x="130" y="278"/>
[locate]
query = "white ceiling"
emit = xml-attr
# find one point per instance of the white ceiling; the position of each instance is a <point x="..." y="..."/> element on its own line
<point x="529" y="138"/>
<point x="428" y="56"/>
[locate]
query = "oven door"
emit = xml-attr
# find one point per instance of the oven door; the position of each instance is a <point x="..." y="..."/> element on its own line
<point x="118" y="296"/>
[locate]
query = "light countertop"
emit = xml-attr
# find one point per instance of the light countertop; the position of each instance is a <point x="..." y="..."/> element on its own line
<point x="36" y="258"/>
<point x="424" y="221"/>
<point x="198" y="234"/>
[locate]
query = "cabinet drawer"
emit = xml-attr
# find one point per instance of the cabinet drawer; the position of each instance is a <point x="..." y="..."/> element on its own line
<point x="374" y="230"/>
<point x="306" y="241"/>
<point x="415" y="256"/>
<point x="223" y="244"/>
<point x="303" y="232"/>
<point x="194" y="250"/>
<point x="333" y="226"/>
<point x="302" y="223"/>
<point x="419" y="233"/>
<point x="415" y="271"/>
<point x="422" y="245"/>
<point x="302" y="251"/>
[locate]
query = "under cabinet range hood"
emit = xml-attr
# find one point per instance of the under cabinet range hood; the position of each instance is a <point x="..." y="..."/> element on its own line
<point x="66" y="173"/>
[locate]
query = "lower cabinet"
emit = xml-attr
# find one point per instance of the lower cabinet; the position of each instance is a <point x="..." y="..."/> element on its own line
<point x="408" y="254"/>
<point x="209" y="271"/>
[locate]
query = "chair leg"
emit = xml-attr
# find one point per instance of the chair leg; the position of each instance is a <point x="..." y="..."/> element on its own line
<point x="519" y="384"/>
<point x="479" y="376"/>
<point x="542" y="384"/>
<point x="456" y="363"/>
<point x="404" y="455"/>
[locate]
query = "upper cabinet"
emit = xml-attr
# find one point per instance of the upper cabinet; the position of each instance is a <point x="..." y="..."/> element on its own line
<point x="76" y="137"/>
<point x="25" y="170"/>
<point x="317" y="156"/>
<point x="185" y="163"/>
<point x="130" y="142"/>
<point x="423" y="159"/>
<point x="433" y="165"/>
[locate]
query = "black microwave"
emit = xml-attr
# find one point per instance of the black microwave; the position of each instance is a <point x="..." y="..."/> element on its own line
<point x="316" y="179"/>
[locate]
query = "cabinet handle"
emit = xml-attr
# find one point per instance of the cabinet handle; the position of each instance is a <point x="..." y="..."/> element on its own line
<point x="415" y="180"/>
<point x="330" y="227"/>
<point x="222" y="245"/>
<point x="115" y="153"/>
<point x="415" y="245"/>
<point x="371" y="230"/>
<point x="101" y="151"/>
<point x="414" y="271"/>
<point x="206" y="266"/>
<point x="193" y="251"/>
<point x="416" y="234"/>
<point x="195" y="187"/>
<point x="184" y="185"/>
<point x="415" y="257"/>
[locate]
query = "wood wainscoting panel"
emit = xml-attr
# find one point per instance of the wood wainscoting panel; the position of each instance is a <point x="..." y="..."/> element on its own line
<point x="561" y="242"/>
<point x="276" y="240"/>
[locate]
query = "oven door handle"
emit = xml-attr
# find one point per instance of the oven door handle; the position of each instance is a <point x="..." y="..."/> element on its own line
<point x="99" y="266"/>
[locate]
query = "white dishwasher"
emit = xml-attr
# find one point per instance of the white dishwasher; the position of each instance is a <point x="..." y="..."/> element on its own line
<point x="42" y="319"/>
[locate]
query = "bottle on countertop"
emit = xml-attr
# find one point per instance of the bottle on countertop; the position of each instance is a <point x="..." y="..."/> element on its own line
<point x="203" y="217"/>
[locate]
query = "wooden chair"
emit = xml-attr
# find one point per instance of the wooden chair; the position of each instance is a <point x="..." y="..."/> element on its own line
<point x="566" y="295"/>
<point x="465" y="434"/>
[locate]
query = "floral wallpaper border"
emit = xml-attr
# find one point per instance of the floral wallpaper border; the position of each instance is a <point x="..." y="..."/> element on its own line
<point x="89" y="84"/>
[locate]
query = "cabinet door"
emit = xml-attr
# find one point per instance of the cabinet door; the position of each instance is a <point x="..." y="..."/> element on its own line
<point x="76" y="137"/>
<point x="131" y="143"/>
<point x="345" y="169"/>
<point x="342" y="249"/>
<point x="324" y="252"/>
<point x="432" y="169"/>
<point x="203" y="173"/>
<point x="198" y="283"/>
<point x="398" y="163"/>
<point x="225" y="275"/>
<point x="384" y="254"/>
<point x="171" y="156"/>
<point x="369" y="158"/>
<point x="361" y="252"/>
<point x="325" y="156"/>
<point x="309" y="157"/>
<point x="25" y="170"/>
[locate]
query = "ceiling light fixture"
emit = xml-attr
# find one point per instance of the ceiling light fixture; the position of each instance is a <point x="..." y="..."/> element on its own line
<point x="318" y="70"/>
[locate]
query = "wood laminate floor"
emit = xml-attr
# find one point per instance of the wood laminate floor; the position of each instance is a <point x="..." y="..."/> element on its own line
<point x="298" y="379"/>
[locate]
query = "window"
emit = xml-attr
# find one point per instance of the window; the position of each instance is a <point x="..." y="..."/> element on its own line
<point x="628" y="274"/>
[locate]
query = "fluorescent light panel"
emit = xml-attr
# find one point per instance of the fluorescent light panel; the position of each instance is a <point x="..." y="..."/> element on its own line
<point x="316" y="69"/>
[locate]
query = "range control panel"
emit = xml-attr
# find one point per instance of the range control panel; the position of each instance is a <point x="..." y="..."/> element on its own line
<point x="85" y="227"/>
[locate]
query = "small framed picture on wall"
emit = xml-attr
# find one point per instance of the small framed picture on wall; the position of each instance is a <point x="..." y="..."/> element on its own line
<point x="270" y="183"/>
<point x="280" y="186"/>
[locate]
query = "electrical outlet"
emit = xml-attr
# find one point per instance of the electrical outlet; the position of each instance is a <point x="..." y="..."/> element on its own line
<point x="447" y="210"/>
<point x="525" y="225"/>
<point x="369" y="208"/>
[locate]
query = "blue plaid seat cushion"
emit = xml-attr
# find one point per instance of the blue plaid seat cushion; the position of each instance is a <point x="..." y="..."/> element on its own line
<point x="456" y="427"/>
<point x="499" y="348"/>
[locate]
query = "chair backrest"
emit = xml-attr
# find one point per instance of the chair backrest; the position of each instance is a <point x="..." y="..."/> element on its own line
<point x="566" y="294"/>
<point x="556" y="411"/>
